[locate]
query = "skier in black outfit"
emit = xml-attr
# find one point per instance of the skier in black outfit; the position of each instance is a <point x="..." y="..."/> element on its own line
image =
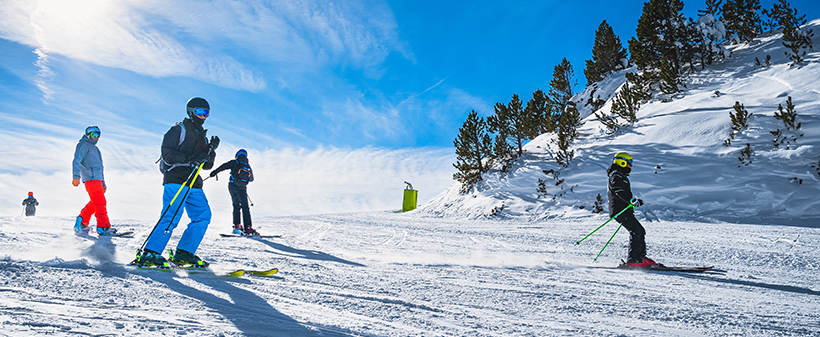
<point x="620" y="197"/>
<point x="241" y="175"/>
<point x="31" y="204"/>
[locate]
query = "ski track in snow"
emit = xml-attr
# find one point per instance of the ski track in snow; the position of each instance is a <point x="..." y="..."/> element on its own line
<point x="387" y="274"/>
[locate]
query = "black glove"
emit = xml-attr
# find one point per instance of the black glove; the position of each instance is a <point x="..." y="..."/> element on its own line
<point x="213" y="174"/>
<point x="200" y="157"/>
<point x="214" y="142"/>
<point x="636" y="202"/>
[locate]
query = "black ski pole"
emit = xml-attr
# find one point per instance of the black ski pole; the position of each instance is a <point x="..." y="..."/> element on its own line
<point x="249" y="199"/>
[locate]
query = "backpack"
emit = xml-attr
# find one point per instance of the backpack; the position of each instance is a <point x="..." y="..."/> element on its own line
<point x="165" y="167"/>
<point x="241" y="173"/>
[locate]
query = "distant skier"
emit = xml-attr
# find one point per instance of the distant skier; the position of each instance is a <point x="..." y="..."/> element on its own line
<point x="619" y="193"/>
<point x="184" y="148"/>
<point x="241" y="175"/>
<point x="31" y="204"/>
<point x="88" y="165"/>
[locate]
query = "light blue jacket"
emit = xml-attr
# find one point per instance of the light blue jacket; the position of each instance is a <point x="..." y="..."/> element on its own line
<point x="88" y="163"/>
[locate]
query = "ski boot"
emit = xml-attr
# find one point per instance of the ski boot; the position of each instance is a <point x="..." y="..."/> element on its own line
<point x="151" y="259"/>
<point x="250" y="232"/>
<point x="644" y="262"/>
<point x="186" y="260"/>
<point x="79" y="227"/>
<point x="237" y="229"/>
<point x="108" y="231"/>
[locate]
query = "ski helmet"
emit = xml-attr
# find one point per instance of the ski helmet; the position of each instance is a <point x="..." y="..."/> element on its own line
<point x="622" y="159"/>
<point x="31" y="194"/>
<point x="241" y="152"/>
<point x="198" y="106"/>
<point x="91" y="129"/>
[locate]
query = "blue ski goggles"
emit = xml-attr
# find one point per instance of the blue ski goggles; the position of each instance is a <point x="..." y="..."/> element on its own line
<point x="94" y="134"/>
<point x="201" y="112"/>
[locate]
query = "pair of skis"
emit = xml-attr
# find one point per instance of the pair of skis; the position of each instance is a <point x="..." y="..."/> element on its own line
<point x="191" y="269"/>
<point x="662" y="268"/>
<point x="126" y="234"/>
<point x="246" y="236"/>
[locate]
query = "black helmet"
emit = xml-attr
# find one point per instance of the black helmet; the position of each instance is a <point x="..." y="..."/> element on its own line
<point x="196" y="102"/>
<point x="241" y="152"/>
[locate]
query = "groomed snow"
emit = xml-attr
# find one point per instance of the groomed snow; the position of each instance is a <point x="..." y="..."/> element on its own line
<point x="387" y="274"/>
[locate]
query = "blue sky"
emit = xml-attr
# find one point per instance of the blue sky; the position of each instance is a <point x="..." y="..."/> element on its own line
<point x="352" y="74"/>
<point x="312" y="77"/>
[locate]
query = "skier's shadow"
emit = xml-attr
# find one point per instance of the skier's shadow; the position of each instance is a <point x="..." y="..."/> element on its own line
<point x="780" y="287"/>
<point x="306" y="254"/>
<point x="247" y="311"/>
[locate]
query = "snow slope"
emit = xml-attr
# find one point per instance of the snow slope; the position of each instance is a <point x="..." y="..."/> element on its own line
<point x="698" y="177"/>
<point x="387" y="274"/>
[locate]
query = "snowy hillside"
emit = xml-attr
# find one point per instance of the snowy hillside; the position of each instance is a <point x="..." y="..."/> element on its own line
<point x="682" y="169"/>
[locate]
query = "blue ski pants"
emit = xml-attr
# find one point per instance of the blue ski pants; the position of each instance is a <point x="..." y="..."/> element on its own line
<point x="195" y="205"/>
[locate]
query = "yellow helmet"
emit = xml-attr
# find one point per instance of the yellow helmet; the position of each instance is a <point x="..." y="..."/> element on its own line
<point x="623" y="159"/>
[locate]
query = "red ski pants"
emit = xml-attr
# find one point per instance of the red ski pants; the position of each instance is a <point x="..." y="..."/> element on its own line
<point x="97" y="204"/>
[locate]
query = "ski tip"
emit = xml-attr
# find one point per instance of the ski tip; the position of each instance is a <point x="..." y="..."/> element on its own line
<point x="269" y="272"/>
<point x="237" y="273"/>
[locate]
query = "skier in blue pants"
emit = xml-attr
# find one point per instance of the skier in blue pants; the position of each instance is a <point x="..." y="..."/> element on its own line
<point x="184" y="148"/>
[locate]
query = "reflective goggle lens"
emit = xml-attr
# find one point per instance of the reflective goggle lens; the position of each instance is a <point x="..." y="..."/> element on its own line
<point x="94" y="134"/>
<point x="628" y="161"/>
<point x="202" y="112"/>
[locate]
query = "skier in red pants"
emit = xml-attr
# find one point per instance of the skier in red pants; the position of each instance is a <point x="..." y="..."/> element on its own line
<point x="88" y="166"/>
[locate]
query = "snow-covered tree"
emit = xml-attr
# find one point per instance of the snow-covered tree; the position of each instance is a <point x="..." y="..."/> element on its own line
<point x="742" y="22"/>
<point x="660" y="34"/>
<point x="709" y="33"/>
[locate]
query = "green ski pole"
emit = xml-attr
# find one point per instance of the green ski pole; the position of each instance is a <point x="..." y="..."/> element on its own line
<point x="599" y="227"/>
<point x="607" y="243"/>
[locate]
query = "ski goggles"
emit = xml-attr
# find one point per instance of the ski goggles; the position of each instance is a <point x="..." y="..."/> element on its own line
<point x="628" y="161"/>
<point x="201" y="112"/>
<point x="94" y="134"/>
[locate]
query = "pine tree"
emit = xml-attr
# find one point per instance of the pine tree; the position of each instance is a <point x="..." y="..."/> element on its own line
<point x="742" y="20"/>
<point x="568" y="125"/>
<point x="560" y="91"/>
<point x="713" y="7"/>
<point x="659" y="34"/>
<point x="626" y="103"/>
<point x="795" y="39"/>
<point x="511" y="125"/>
<point x="669" y="78"/>
<point x="537" y="112"/>
<point x="473" y="146"/>
<point x="607" y="54"/>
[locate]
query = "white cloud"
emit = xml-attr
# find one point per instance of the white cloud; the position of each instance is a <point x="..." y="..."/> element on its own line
<point x="203" y="40"/>
<point x="289" y="180"/>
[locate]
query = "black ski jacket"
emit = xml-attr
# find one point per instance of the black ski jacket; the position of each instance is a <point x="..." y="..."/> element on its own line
<point x="30" y="204"/>
<point x="194" y="146"/>
<point x="234" y="166"/>
<point x="618" y="190"/>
